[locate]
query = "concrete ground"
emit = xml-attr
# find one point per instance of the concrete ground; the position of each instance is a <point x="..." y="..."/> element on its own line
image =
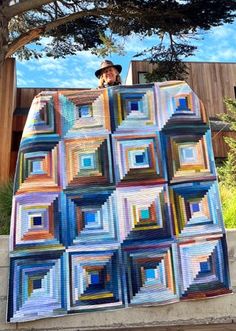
<point x="218" y="314"/>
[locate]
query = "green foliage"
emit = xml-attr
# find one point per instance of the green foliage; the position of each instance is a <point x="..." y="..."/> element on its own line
<point x="73" y="26"/>
<point x="109" y="45"/>
<point x="167" y="55"/>
<point x="230" y="116"/>
<point x="227" y="172"/>
<point x="167" y="70"/>
<point x="6" y="192"/>
<point x="228" y="199"/>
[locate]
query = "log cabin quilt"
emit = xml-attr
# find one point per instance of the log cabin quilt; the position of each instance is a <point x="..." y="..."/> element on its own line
<point x="116" y="203"/>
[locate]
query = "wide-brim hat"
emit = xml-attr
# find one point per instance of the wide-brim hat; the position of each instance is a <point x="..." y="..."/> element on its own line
<point x="106" y="64"/>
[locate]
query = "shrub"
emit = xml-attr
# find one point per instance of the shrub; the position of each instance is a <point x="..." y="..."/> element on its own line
<point x="228" y="199"/>
<point x="227" y="172"/>
<point x="6" y="192"/>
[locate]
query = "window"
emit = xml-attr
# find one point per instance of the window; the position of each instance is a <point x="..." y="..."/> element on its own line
<point x="141" y="77"/>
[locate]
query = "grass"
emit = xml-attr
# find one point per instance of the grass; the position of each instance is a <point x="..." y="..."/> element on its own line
<point x="6" y="192"/>
<point x="228" y="199"/>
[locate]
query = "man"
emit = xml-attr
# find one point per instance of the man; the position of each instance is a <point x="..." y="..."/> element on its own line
<point x="108" y="74"/>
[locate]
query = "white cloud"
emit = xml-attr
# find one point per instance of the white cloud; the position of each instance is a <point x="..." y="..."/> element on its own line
<point x="136" y="44"/>
<point x="78" y="71"/>
<point x="22" y="82"/>
<point x="73" y="71"/>
<point x="224" y="31"/>
<point x="80" y="83"/>
<point x="49" y="65"/>
<point x="74" y="79"/>
<point x="218" y="45"/>
<point x="221" y="55"/>
<point x="45" y="40"/>
<point x="19" y="73"/>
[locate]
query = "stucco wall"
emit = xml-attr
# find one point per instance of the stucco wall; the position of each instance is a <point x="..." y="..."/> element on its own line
<point x="213" y="314"/>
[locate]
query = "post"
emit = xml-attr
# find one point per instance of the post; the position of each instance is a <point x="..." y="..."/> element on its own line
<point x="7" y="106"/>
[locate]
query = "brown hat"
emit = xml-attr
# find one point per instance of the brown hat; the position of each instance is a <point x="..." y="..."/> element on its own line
<point x="106" y="64"/>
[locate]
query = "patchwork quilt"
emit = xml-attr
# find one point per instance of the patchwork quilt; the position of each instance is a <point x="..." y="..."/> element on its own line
<point x="116" y="203"/>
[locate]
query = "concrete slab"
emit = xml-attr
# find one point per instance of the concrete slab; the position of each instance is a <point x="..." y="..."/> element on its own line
<point x="231" y="241"/>
<point x="4" y="281"/>
<point x="3" y="325"/>
<point x="232" y="270"/>
<point x="4" y="242"/>
<point x="217" y="310"/>
<point x="4" y="251"/>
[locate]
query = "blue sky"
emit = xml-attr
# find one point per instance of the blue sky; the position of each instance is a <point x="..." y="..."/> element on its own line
<point x="217" y="45"/>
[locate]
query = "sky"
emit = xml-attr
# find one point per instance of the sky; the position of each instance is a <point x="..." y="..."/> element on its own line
<point x="216" y="45"/>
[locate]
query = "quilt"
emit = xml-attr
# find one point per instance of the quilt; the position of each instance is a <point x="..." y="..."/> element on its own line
<point x="116" y="203"/>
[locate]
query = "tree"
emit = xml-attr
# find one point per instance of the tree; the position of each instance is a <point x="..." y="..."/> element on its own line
<point x="75" y="25"/>
<point x="6" y="193"/>
<point x="227" y="173"/>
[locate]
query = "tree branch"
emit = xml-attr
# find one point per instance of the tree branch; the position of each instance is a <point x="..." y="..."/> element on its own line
<point x="23" y="40"/>
<point x="23" y="6"/>
<point x="29" y="36"/>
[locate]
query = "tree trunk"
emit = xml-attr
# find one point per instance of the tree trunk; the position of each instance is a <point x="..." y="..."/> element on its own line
<point x="7" y="106"/>
<point x="3" y="35"/>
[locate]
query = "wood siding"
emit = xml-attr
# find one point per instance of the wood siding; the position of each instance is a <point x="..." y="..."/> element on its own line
<point x="220" y="147"/>
<point x="7" y="106"/>
<point x="213" y="82"/>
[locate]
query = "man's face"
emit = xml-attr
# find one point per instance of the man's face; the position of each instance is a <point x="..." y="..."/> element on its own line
<point x="109" y="75"/>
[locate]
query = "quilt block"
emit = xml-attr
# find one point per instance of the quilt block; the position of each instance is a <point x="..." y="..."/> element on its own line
<point x="116" y="203"/>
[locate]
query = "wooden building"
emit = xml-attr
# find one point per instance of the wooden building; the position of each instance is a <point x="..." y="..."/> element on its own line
<point x="211" y="81"/>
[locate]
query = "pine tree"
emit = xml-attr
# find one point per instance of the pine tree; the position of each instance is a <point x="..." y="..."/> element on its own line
<point x="75" y="25"/>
